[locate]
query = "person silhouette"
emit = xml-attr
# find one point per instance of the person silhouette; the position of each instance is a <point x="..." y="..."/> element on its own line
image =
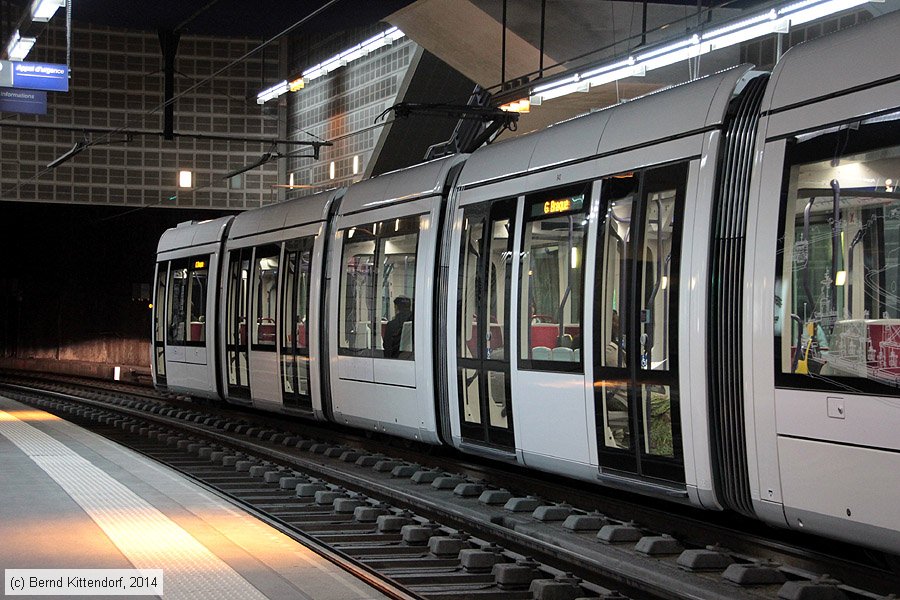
<point x="393" y="331"/>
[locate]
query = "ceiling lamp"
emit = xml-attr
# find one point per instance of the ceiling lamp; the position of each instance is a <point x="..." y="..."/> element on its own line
<point x="272" y="92"/>
<point x="19" y="47"/>
<point x="361" y="49"/>
<point x="776" y="20"/>
<point x="43" y="10"/>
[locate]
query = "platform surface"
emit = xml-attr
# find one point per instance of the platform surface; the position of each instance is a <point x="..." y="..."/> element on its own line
<point x="70" y="499"/>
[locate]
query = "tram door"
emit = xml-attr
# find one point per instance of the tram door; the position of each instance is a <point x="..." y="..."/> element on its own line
<point x="295" y="323"/>
<point x="159" y="324"/>
<point x="483" y="321"/>
<point x="635" y="317"/>
<point x="236" y="343"/>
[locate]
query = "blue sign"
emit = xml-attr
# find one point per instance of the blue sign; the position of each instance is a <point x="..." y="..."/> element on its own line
<point x="41" y="76"/>
<point x="23" y="101"/>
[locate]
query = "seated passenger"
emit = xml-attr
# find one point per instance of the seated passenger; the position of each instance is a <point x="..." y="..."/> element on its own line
<point x="393" y="331"/>
<point x="615" y="348"/>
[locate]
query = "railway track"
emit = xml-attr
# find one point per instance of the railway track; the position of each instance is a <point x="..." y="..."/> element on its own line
<point x="441" y="532"/>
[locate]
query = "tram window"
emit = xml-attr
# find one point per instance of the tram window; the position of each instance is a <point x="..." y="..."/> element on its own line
<point x="236" y="317"/>
<point x="265" y="296"/>
<point x="500" y="253"/>
<point x="160" y="301"/>
<point x="295" y="324"/>
<point x="551" y="279"/>
<point x="396" y="286"/>
<point x="186" y="306"/>
<point x="357" y="292"/>
<point x="470" y="286"/>
<point x="619" y="195"/>
<point x="635" y="309"/>
<point x="837" y="308"/>
<point x="159" y="325"/>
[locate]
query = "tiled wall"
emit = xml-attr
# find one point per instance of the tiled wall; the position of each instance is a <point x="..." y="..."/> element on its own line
<point x="342" y="106"/>
<point x="117" y="82"/>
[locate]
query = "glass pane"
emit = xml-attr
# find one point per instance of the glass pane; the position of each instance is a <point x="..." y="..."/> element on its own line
<point x="177" y="305"/>
<point x="617" y="433"/>
<point x="303" y="375"/>
<point x="619" y="196"/>
<point x="160" y="301"/>
<point x="236" y="317"/>
<point x="288" y="370"/>
<point x="160" y="353"/>
<point x="656" y="258"/>
<point x="656" y="401"/>
<point x="198" y="281"/>
<point x="498" y="399"/>
<point x="397" y="246"/>
<point x="551" y="279"/>
<point x="838" y="313"/>
<point x="265" y="295"/>
<point x="357" y="299"/>
<point x="471" y="400"/>
<point x="470" y="285"/>
<point x="302" y="301"/>
<point x="500" y="263"/>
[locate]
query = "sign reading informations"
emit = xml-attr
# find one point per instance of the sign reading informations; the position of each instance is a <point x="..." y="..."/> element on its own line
<point x="23" y="101"/>
<point x="34" y="76"/>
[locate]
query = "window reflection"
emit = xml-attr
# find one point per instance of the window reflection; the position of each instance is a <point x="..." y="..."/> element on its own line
<point x="551" y="278"/>
<point x="265" y="296"/>
<point x="378" y="289"/>
<point x="186" y="306"/>
<point x="838" y="306"/>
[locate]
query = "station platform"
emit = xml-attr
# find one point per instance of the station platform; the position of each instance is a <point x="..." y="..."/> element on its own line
<point x="70" y="499"/>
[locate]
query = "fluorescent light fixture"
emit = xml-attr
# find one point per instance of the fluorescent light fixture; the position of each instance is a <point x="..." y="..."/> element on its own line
<point x="743" y="35"/>
<point x="570" y="88"/>
<point x="670" y="54"/>
<point x="811" y="13"/>
<point x="290" y="180"/>
<point x="772" y="21"/>
<point x="184" y="179"/>
<point x="272" y="92"/>
<point x="384" y="38"/>
<point x="742" y="24"/>
<point x="620" y="73"/>
<point x="606" y="68"/>
<point x="667" y="49"/>
<point x="549" y="86"/>
<point x="19" y="47"/>
<point x="356" y="164"/>
<point x="331" y="170"/>
<point x="43" y="10"/>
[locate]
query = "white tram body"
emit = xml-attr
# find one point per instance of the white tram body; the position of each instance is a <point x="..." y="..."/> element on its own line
<point x="692" y="295"/>
<point x="385" y="247"/>
<point x="188" y="260"/>
<point x="271" y="286"/>
<point x="824" y="447"/>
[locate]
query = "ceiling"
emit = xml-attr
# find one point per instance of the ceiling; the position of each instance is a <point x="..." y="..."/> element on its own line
<point x="230" y="18"/>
